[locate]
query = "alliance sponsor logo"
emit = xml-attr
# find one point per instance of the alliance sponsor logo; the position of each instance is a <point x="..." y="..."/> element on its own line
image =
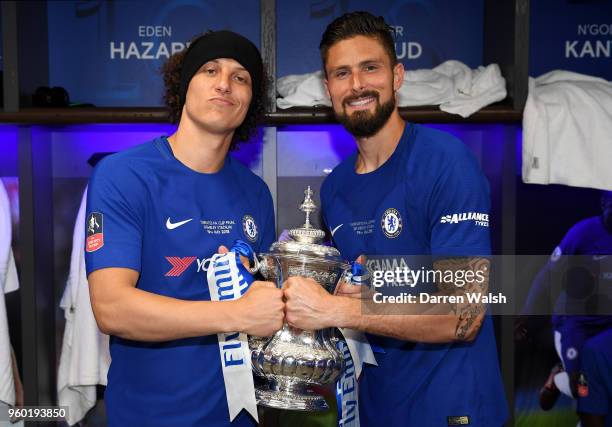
<point x="479" y="218"/>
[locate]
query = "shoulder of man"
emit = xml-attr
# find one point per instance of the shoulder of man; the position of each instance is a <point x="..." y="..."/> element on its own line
<point x="587" y="226"/>
<point x="121" y="179"/>
<point x="246" y="176"/>
<point x="440" y="146"/>
<point x="124" y="164"/>
<point x="580" y="234"/>
<point x="440" y="162"/>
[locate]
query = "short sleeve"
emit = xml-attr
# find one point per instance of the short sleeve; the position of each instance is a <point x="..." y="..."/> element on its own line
<point x="459" y="209"/>
<point x="114" y="218"/>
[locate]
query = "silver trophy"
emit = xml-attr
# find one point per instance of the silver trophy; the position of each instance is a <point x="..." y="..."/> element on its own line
<point x="293" y="360"/>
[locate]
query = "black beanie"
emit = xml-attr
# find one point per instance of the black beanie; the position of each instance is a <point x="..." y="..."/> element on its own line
<point x="221" y="44"/>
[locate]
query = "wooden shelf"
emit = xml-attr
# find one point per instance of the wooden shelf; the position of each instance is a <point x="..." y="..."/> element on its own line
<point x="67" y="116"/>
<point x="499" y="113"/>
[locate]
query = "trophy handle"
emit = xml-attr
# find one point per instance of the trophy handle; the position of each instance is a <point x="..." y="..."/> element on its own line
<point x="270" y="268"/>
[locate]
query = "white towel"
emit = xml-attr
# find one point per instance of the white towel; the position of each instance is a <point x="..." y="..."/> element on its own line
<point x="567" y="125"/>
<point x="8" y="283"/>
<point x="85" y="357"/>
<point x="472" y="89"/>
<point x="452" y="85"/>
<point x="302" y="90"/>
<point x="8" y="271"/>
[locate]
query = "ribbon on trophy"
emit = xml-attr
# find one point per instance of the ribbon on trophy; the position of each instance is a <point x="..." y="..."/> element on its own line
<point x="356" y="351"/>
<point x="229" y="280"/>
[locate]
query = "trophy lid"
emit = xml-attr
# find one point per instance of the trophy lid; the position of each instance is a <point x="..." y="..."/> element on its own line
<point x="305" y="240"/>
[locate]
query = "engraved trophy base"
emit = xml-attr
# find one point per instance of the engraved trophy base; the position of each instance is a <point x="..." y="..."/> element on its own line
<point x="290" y="396"/>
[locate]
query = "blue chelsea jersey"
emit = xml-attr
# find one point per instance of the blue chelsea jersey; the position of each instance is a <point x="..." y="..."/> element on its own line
<point x="589" y="237"/>
<point x="592" y="243"/>
<point x="148" y="212"/>
<point x="595" y="396"/>
<point x="429" y="198"/>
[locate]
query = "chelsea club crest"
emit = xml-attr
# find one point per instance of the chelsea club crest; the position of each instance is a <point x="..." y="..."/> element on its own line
<point x="249" y="227"/>
<point x="391" y="223"/>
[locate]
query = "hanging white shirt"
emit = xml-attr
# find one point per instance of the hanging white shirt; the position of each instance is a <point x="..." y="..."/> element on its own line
<point x="85" y="358"/>
<point x="8" y="283"/>
<point x="567" y="123"/>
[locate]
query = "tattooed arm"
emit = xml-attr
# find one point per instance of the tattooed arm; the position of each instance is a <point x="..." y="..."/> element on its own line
<point x="310" y="307"/>
<point x="469" y="315"/>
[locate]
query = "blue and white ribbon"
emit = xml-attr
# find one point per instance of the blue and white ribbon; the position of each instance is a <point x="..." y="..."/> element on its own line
<point x="228" y="280"/>
<point x="356" y="351"/>
<point x="346" y="390"/>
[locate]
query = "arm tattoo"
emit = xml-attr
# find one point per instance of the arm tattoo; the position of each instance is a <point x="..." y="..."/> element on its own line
<point x="470" y="315"/>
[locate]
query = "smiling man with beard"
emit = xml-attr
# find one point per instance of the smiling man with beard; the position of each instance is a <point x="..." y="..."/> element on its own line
<point x="438" y="364"/>
<point x="363" y="123"/>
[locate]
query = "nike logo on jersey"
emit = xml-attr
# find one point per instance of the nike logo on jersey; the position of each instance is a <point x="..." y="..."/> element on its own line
<point x="172" y="226"/>
<point x="336" y="229"/>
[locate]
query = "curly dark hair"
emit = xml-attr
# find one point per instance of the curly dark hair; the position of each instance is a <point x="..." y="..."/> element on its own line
<point x="171" y="71"/>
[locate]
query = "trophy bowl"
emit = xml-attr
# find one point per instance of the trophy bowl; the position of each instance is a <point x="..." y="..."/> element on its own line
<point x="293" y="360"/>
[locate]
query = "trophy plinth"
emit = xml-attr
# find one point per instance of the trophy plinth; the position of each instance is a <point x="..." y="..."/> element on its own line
<point x="293" y="360"/>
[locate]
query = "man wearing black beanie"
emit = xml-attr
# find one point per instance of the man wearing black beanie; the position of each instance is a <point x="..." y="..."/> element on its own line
<point x="155" y="214"/>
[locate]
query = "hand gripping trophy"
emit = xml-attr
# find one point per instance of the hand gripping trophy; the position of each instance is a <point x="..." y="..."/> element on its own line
<point x="293" y="360"/>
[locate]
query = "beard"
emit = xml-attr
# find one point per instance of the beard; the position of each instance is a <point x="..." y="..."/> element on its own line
<point x="363" y="124"/>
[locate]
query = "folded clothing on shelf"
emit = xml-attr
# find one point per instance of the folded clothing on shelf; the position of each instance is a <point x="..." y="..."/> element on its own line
<point x="452" y="85"/>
